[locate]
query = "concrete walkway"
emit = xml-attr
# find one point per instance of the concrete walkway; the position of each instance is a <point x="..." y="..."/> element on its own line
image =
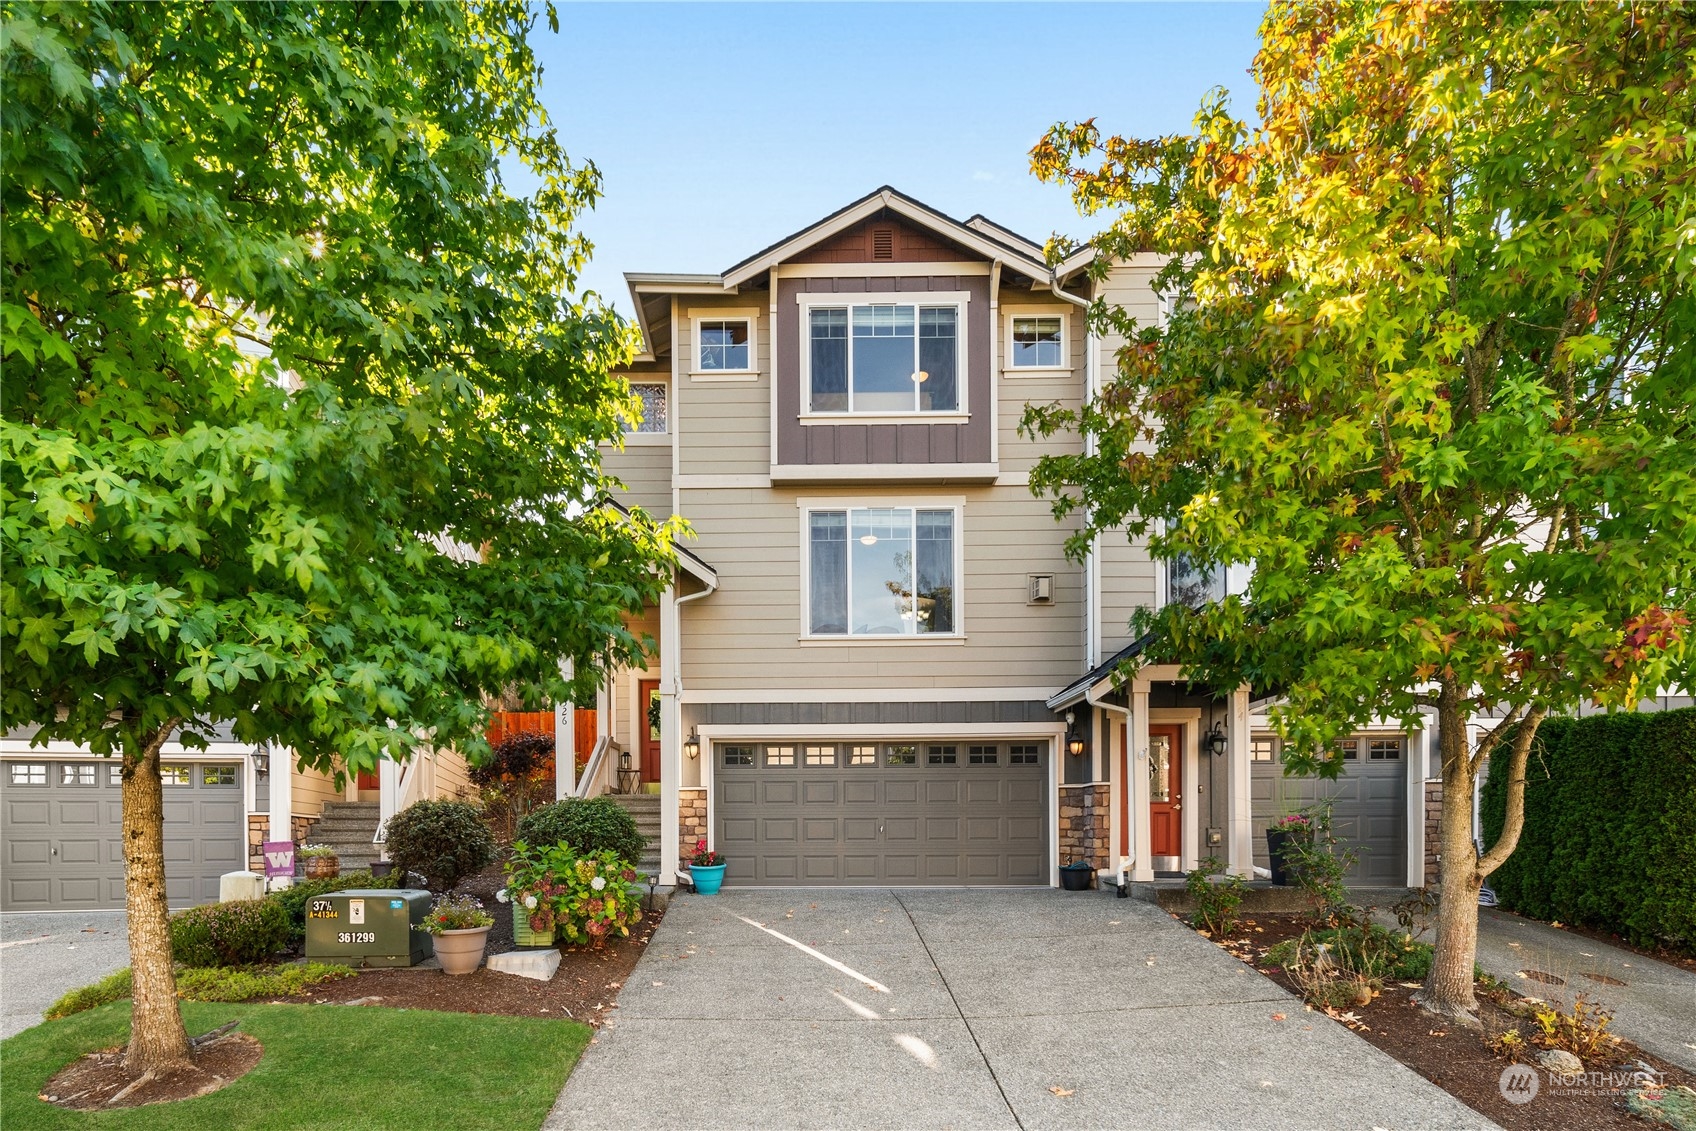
<point x="1654" y="1005"/>
<point x="952" y="1008"/>
<point x="45" y="956"/>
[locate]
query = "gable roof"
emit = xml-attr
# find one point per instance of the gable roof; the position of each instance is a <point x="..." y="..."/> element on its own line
<point x="996" y="245"/>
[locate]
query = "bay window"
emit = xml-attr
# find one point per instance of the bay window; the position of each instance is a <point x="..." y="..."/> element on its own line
<point x="881" y="571"/>
<point x="884" y="357"/>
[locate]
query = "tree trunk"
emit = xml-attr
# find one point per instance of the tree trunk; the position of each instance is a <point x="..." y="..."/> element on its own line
<point x="1461" y="872"/>
<point x="158" y="1041"/>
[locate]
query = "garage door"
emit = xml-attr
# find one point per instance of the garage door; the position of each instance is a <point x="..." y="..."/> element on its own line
<point x="1368" y="812"/>
<point x="62" y="835"/>
<point x="899" y="813"/>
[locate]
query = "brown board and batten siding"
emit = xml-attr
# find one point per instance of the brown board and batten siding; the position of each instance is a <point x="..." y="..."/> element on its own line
<point x="850" y="444"/>
<point x="882" y="238"/>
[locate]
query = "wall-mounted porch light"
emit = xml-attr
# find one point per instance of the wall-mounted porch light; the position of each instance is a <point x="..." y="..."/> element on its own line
<point x="1075" y="745"/>
<point x="1216" y="741"/>
<point x="692" y="744"/>
<point x="261" y="763"/>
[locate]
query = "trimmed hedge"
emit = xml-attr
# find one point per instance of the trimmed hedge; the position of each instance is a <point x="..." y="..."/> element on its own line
<point x="237" y="933"/>
<point x="443" y="841"/>
<point x="1610" y="827"/>
<point x="587" y="824"/>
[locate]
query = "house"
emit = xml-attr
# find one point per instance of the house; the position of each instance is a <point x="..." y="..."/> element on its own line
<point x="62" y="816"/>
<point x="876" y="664"/>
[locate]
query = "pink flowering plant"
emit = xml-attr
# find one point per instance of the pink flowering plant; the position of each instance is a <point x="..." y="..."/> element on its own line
<point x="1296" y="824"/>
<point x="705" y="857"/>
<point x="586" y="896"/>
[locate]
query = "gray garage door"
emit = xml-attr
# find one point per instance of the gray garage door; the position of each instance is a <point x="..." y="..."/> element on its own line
<point x="63" y="819"/>
<point x="1369" y="810"/>
<point x="883" y="813"/>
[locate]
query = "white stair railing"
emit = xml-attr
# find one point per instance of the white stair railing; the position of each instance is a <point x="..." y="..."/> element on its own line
<point x="597" y="778"/>
<point x="398" y="785"/>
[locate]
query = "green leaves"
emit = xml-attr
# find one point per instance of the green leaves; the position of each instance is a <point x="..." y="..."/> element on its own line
<point x="1436" y="314"/>
<point x="300" y="414"/>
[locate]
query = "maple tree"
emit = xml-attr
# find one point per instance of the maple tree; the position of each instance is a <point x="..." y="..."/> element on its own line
<point x="1428" y="370"/>
<point x="301" y="406"/>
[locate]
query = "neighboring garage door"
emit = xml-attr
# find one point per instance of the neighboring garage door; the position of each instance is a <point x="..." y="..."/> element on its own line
<point x="941" y="813"/>
<point x="1368" y="812"/>
<point x="62" y="842"/>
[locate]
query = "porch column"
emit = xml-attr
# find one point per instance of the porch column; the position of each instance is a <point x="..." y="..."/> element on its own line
<point x="565" y="744"/>
<point x="1239" y="812"/>
<point x="1416" y="759"/>
<point x="388" y="796"/>
<point x="671" y="742"/>
<point x="282" y="803"/>
<point x="1136" y="764"/>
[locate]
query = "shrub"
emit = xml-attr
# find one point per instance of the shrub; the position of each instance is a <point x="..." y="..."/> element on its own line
<point x="1319" y="866"/>
<point x="518" y="777"/>
<point x="587" y="824"/>
<point x="211" y="983"/>
<point x="112" y="987"/>
<point x="1581" y="1030"/>
<point x="293" y="899"/>
<point x="229" y="934"/>
<point x="1610" y="827"/>
<point x="1216" y="903"/>
<point x="443" y="841"/>
<point x="586" y="896"/>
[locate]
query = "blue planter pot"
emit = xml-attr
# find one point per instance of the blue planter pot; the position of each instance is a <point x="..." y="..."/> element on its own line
<point x="708" y="877"/>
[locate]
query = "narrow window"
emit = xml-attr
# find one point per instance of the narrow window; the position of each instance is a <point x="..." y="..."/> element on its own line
<point x="828" y="572"/>
<point x="830" y="360"/>
<point x="725" y="345"/>
<point x="652" y="395"/>
<point x="1036" y="343"/>
<point x="938" y="365"/>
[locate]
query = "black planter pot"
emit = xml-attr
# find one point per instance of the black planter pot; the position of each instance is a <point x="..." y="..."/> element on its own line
<point x="1276" y="839"/>
<point x="1075" y="877"/>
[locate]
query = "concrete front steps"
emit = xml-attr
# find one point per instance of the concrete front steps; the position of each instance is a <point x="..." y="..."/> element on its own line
<point x="348" y="826"/>
<point x="645" y="808"/>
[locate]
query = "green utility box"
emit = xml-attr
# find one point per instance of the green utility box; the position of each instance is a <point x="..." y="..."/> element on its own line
<point x="368" y="927"/>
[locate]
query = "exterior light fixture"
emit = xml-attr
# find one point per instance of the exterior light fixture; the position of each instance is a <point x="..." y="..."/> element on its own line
<point x="624" y="760"/>
<point x="1074" y="741"/>
<point x="1216" y="741"/>
<point x="692" y="744"/>
<point x="261" y="762"/>
<point x="920" y="377"/>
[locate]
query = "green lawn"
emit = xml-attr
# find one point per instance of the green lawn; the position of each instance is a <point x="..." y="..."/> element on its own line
<point x="339" y="1068"/>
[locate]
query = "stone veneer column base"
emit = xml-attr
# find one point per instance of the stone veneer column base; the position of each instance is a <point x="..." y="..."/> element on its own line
<point x="691" y="821"/>
<point x="1433" y="818"/>
<point x="1086" y="824"/>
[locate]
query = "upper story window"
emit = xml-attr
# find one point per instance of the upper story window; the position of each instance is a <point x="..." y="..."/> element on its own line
<point x="882" y="357"/>
<point x="1188" y="585"/>
<point x="882" y="571"/>
<point x="726" y="345"/>
<point x="652" y="394"/>
<point x="1038" y="342"/>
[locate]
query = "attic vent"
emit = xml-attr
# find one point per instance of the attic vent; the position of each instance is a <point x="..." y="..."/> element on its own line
<point x="883" y="243"/>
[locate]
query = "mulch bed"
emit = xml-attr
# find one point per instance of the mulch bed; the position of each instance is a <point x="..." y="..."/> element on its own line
<point x="1455" y="1059"/>
<point x="584" y="988"/>
<point x="100" y="1082"/>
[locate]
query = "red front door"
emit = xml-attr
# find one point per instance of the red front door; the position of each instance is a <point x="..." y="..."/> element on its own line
<point x="1165" y="797"/>
<point x="648" y="695"/>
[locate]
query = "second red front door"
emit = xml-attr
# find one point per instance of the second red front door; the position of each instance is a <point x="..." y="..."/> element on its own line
<point x="1165" y="792"/>
<point x="648" y="694"/>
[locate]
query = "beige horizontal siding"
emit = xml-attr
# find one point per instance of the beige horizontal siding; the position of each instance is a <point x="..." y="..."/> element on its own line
<point x="748" y="634"/>
<point x="645" y="471"/>
<point x="725" y="426"/>
<point x="309" y="790"/>
<point x="1127" y="584"/>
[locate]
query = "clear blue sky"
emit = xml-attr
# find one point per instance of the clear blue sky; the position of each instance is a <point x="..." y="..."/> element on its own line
<point x="721" y="128"/>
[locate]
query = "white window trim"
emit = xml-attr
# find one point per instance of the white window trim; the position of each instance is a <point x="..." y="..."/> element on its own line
<point x="808" y="300"/>
<point x="751" y="316"/>
<point x="808" y="506"/>
<point x="1008" y="369"/>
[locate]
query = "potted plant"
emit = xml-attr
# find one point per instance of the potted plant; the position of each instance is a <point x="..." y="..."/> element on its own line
<point x="322" y="863"/>
<point x="533" y="887"/>
<point x="1076" y="875"/>
<point x="1295" y="826"/>
<point x="461" y="930"/>
<point x="706" y="869"/>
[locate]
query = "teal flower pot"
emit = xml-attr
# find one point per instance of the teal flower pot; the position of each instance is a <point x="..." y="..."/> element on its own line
<point x="708" y="877"/>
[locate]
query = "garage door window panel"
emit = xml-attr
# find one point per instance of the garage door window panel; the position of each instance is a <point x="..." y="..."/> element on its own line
<point x="780" y="756"/>
<point x="77" y="773"/>
<point x="26" y="773"/>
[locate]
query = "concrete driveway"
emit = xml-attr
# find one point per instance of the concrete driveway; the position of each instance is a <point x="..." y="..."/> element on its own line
<point x="953" y="1008"/>
<point x="45" y="956"/>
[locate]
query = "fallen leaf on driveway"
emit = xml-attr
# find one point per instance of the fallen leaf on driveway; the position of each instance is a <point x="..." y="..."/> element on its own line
<point x="1277" y="1017"/>
<point x="1059" y="1091"/>
<point x="657" y="985"/>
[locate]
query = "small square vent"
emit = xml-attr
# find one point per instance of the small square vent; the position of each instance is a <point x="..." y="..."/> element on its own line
<point x="1039" y="589"/>
<point x="883" y="243"/>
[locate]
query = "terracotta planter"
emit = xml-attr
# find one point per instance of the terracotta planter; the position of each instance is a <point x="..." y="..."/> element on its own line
<point x="461" y="952"/>
<point x="322" y="867"/>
